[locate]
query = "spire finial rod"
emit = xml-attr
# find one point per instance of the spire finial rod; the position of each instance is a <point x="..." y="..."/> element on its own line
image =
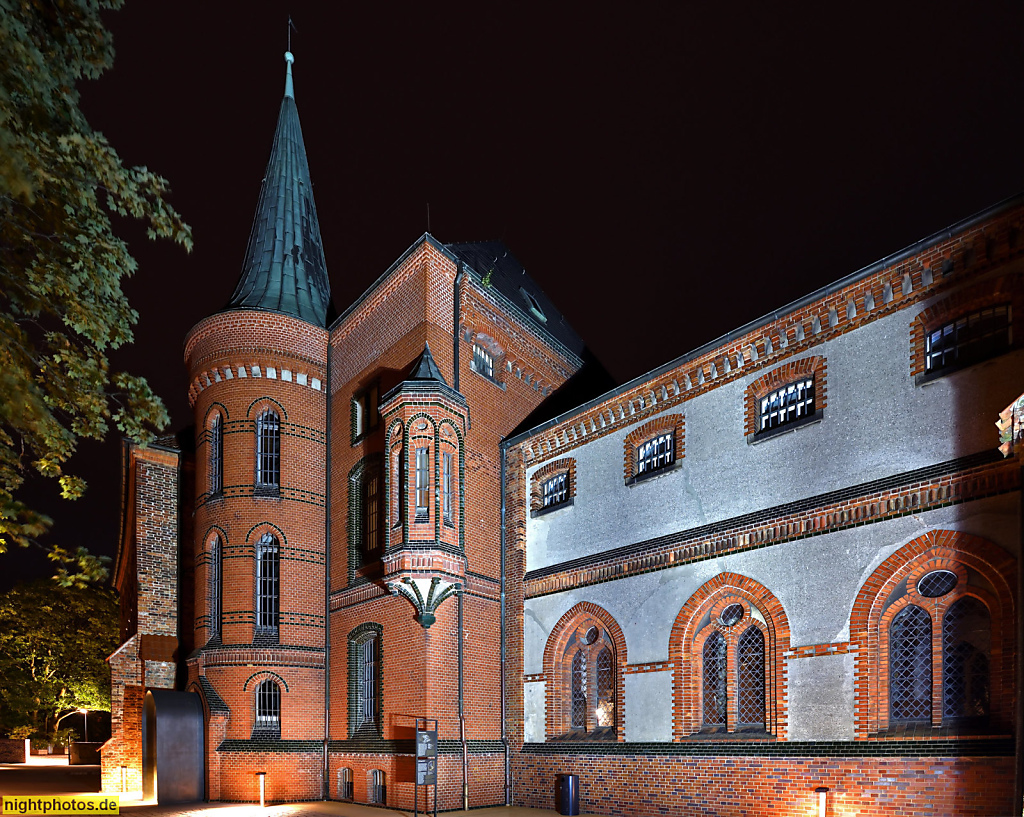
<point x="289" y="58"/>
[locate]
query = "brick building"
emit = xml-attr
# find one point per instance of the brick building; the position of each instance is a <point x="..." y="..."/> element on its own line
<point x="783" y="562"/>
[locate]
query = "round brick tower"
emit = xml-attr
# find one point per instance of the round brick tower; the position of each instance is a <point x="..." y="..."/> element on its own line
<point x="258" y="372"/>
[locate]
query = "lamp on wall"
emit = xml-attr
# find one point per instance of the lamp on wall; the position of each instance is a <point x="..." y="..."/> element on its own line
<point x="263" y="787"/>
<point x="822" y="792"/>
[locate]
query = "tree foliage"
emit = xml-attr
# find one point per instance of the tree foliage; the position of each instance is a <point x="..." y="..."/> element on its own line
<point x="62" y="309"/>
<point x="54" y="642"/>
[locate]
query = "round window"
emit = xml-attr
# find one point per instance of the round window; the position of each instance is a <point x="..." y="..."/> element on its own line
<point x="937" y="583"/>
<point x="591" y="636"/>
<point x="731" y="614"/>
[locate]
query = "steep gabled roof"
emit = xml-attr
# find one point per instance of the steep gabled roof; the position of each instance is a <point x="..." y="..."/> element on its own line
<point x="285" y="269"/>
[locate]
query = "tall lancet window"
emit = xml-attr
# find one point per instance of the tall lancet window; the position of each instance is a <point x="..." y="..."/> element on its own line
<point x="216" y="455"/>
<point x="267" y="585"/>
<point x="268" y="452"/>
<point x="215" y="584"/>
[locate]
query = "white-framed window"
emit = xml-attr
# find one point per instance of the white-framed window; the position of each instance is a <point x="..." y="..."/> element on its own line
<point x="483" y="361"/>
<point x="556" y="490"/>
<point x="268" y="451"/>
<point x="268" y="708"/>
<point x="655" y="454"/>
<point x="790" y="404"/>
<point x="446" y="486"/>
<point x="267" y="584"/>
<point x="365" y="411"/>
<point x="969" y="339"/>
<point x="422" y="484"/>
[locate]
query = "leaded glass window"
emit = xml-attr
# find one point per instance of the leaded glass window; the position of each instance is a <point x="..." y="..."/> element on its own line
<point x="605" y="712"/>
<point x="655" y="454"/>
<point x="969" y="339"/>
<point x="268" y="451"/>
<point x="422" y="484"/>
<point x="910" y="666"/>
<point x="268" y="708"/>
<point x="579" y="690"/>
<point x="791" y="403"/>
<point x="714" y="659"/>
<point x="216" y="455"/>
<point x="556" y="490"/>
<point x="750" y="677"/>
<point x="966" y="648"/>
<point x="267" y="584"/>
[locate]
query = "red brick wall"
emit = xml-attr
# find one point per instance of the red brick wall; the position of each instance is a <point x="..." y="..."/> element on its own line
<point x="761" y="786"/>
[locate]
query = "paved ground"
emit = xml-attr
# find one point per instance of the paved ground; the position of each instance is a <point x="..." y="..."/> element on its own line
<point x="55" y="776"/>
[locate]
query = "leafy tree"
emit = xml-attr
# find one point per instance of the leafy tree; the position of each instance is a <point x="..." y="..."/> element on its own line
<point x="61" y="305"/>
<point x="54" y="642"/>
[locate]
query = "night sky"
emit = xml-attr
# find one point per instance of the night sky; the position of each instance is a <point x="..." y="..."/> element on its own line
<point x="665" y="176"/>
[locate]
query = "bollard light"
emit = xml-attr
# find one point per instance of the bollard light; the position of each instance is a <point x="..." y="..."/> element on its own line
<point x="822" y="792"/>
<point x="263" y="787"/>
<point x="124" y="779"/>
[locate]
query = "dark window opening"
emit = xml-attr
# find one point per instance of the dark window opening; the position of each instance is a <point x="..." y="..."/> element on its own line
<point x="267" y="585"/>
<point x="422" y="484"/>
<point x="268" y="452"/>
<point x="556" y="490"/>
<point x="966" y="647"/>
<point x="365" y="412"/>
<point x="969" y="339"/>
<point x="216" y="456"/>
<point x="483" y="361"/>
<point x="268" y="710"/>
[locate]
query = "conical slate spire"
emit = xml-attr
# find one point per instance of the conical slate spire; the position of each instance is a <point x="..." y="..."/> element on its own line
<point x="424" y="368"/>
<point x="285" y="269"/>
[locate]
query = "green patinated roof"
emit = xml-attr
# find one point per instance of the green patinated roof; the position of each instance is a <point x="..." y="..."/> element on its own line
<point x="285" y="269"/>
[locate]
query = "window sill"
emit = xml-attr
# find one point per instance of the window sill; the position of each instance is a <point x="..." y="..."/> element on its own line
<point x="490" y="380"/>
<point x="660" y="472"/>
<point x="268" y="491"/>
<point x="762" y="436"/>
<point x="598" y="735"/>
<point x="568" y="503"/>
<point x="753" y="732"/>
<point x="266" y="733"/>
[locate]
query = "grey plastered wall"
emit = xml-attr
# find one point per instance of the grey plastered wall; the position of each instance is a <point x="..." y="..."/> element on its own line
<point x="816" y="580"/>
<point x="878" y="423"/>
<point x="534" y="714"/>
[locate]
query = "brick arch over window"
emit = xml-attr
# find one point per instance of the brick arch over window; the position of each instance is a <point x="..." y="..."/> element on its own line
<point x="566" y="465"/>
<point x="984" y="572"/>
<point x="669" y="423"/>
<point x="1008" y="289"/>
<point x="815" y="367"/>
<point x="691" y="632"/>
<point x="262" y="404"/>
<point x="557" y="667"/>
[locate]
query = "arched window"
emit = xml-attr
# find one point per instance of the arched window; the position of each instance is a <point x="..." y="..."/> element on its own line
<point x="940" y="614"/>
<point x="727" y="637"/>
<point x="268" y="710"/>
<point x="267" y="585"/>
<point x="910" y="666"/>
<point x="345" y="784"/>
<point x="214" y="585"/>
<point x="368" y="682"/>
<point x="268" y="452"/>
<point x="216" y="455"/>
<point x="377" y="789"/>
<point x="590" y="659"/>
<point x="966" y="646"/>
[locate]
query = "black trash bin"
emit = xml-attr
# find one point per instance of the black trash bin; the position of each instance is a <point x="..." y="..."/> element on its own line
<point x="567" y="794"/>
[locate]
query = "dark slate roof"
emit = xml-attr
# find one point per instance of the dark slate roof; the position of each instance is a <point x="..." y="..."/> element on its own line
<point x="285" y="269"/>
<point x="424" y="368"/>
<point x="509" y="278"/>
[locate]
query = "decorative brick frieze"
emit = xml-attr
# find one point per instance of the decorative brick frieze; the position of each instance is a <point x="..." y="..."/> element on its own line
<point x="817" y="650"/>
<point x="877" y="501"/>
<point x="898" y="286"/>
<point x="657" y="666"/>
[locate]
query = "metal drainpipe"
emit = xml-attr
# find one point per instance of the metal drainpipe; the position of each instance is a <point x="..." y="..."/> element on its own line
<point x="325" y="788"/>
<point x="462" y="713"/>
<point x="1018" y="777"/>
<point x="455" y="327"/>
<point x="504" y="725"/>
